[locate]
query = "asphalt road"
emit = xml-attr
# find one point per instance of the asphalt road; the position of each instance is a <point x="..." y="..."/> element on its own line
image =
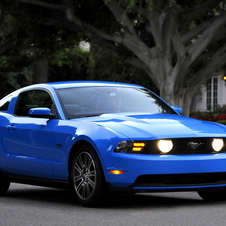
<point x="35" y="206"/>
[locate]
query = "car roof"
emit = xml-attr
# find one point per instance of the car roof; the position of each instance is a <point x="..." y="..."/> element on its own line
<point x="68" y="84"/>
<point x="71" y="84"/>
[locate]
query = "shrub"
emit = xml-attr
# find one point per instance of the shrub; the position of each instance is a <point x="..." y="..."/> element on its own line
<point x="207" y="116"/>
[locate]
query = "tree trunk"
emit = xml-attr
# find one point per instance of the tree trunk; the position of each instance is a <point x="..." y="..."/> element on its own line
<point x="40" y="70"/>
<point x="166" y="91"/>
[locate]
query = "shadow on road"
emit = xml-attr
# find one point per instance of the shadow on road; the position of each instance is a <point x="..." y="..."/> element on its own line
<point x="22" y="193"/>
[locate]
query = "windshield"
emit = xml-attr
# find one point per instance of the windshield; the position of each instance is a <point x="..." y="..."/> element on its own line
<point x="91" y="101"/>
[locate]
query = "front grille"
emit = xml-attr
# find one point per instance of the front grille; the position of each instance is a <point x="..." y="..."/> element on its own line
<point x="165" y="180"/>
<point x="182" y="146"/>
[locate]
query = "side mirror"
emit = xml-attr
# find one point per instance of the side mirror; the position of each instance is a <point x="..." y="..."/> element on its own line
<point x="41" y="113"/>
<point x="179" y="110"/>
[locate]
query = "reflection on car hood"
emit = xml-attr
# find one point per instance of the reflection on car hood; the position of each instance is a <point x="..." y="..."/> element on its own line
<point x="157" y="126"/>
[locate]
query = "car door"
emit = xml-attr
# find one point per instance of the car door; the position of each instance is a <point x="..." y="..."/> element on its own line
<point x="29" y="141"/>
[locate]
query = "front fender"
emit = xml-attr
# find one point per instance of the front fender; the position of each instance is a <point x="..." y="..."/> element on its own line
<point x="100" y="138"/>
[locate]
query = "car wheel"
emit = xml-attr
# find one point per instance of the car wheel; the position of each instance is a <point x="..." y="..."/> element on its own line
<point x="87" y="177"/>
<point x="216" y="194"/>
<point x="4" y="186"/>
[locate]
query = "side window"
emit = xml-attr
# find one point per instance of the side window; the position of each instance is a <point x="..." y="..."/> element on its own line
<point x="4" y="103"/>
<point x="32" y="99"/>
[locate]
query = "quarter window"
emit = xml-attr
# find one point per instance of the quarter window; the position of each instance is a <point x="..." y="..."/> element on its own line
<point x="4" y="103"/>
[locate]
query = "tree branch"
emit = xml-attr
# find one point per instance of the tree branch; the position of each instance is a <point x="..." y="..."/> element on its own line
<point x="206" y="37"/>
<point x="178" y="44"/>
<point x="217" y="60"/>
<point x="71" y="21"/>
<point x="198" y="11"/>
<point x="121" y="16"/>
<point x="43" y="4"/>
<point x="196" y="31"/>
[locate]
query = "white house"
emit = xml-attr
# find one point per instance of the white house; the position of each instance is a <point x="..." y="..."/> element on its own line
<point x="210" y="95"/>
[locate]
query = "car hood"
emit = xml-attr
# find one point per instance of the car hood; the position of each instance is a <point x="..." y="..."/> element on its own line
<point x="155" y="126"/>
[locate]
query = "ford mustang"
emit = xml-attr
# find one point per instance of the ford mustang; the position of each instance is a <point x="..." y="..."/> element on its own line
<point x="102" y="137"/>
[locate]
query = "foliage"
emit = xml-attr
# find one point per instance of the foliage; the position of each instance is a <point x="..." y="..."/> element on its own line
<point x="97" y="64"/>
<point x="67" y="61"/>
<point x="69" y="64"/>
<point x="107" y="66"/>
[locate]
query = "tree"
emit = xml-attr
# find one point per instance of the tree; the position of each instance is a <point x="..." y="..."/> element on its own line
<point x="26" y="42"/>
<point x="178" y="43"/>
<point x="16" y="46"/>
<point x="106" y="65"/>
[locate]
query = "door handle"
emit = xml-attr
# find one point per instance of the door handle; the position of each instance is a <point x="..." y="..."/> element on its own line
<point x="10" y="127"/>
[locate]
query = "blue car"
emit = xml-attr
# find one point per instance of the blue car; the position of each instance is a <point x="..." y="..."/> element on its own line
<point x="102" y="137"/>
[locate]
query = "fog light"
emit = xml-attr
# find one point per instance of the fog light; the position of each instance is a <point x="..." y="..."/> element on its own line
<point x="165" y="146"/>
<point x="217" y="144"/>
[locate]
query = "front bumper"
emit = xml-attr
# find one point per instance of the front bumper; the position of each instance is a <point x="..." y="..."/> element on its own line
<point x="167" y="172"/>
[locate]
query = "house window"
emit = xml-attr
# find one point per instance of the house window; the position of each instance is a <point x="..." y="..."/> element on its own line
<point x="212" y="94"/>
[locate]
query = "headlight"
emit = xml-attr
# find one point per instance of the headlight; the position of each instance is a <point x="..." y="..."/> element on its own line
<point x="123" y="147"/>
<point x="129" y="147"/>
<point x="165" y="146"/>
<point x="217" y="144"/>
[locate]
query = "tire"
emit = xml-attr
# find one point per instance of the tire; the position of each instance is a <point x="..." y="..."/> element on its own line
<point x="216" y="194"/>
<point x="4" y="186"/>
<point x="87" y="177"/>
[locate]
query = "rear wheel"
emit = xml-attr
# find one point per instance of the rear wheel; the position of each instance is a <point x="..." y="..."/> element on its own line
<point x="4" y="186"/>
<point x="216" y="194"/>
<point x="87" y="177"/>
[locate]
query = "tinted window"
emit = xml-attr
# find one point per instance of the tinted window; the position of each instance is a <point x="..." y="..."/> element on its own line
<point x="32" y="99"/>
<point x="87" y="101"/>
